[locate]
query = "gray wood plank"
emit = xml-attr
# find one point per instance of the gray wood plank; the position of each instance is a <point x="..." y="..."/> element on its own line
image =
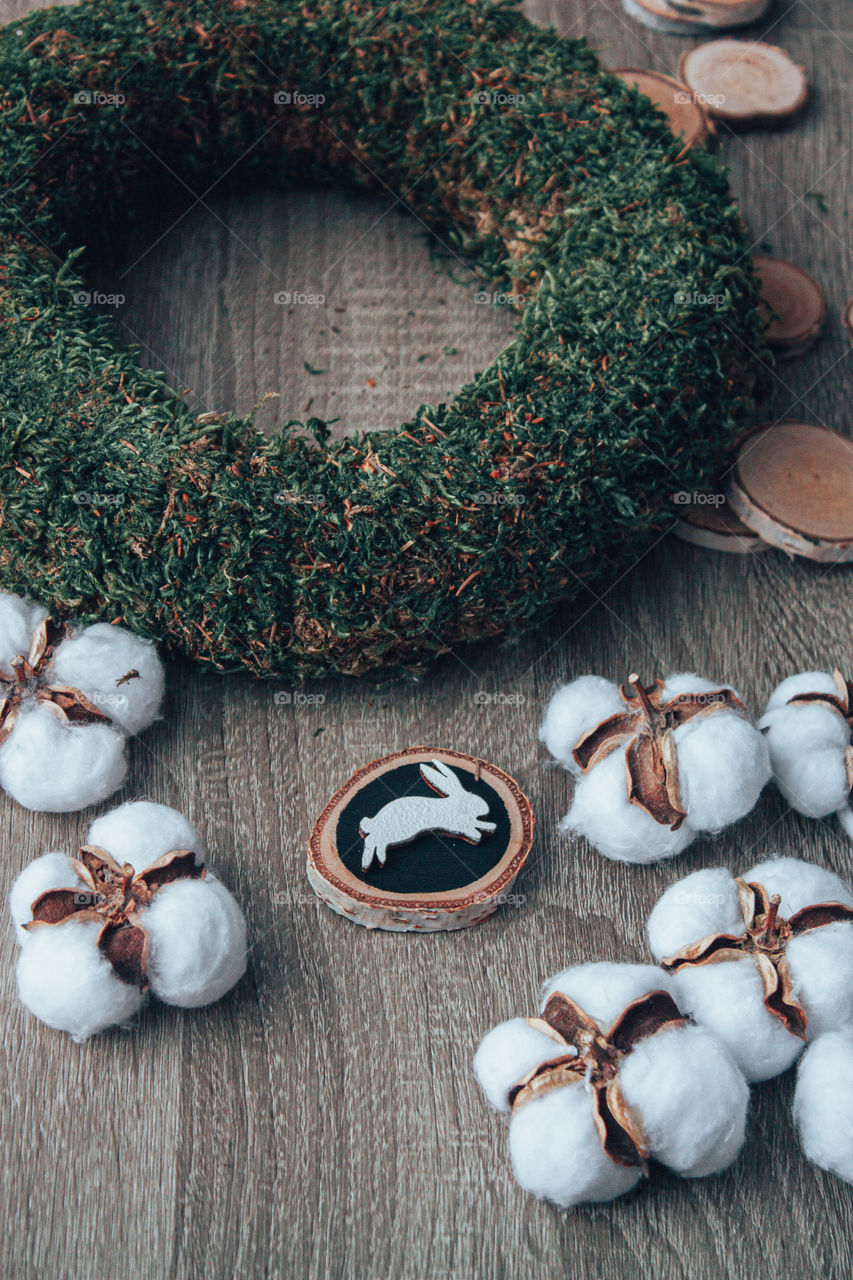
<point x="323" y="1121"/>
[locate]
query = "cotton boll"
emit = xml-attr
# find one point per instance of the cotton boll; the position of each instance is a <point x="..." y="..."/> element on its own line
<point x="802" y="682"/>
<point x="141" y="831"/>
<point x="505" y="1056"/>
<point x="691" y="1098"/>
<point x="822" y="971"/>
<point x="807" y="742"/>
<point x="53" y="766"/>
<point x="823" y="1103"/>
<point x="604" y="990"/>
<point x="601" y="812"/>
<point x="557" y="1153"/>
<point x="573" y="711"/>
<point x="18" y="620"/>
<point x="723" y="765"/>
<point x="65" y="981"/>
<point x="50" y="871"/>
<point x="95" y="659"/>
<point x="197" y="937"/>
<point x="799" y="884"/>
<point x="728" y="999"/>
<point x="701" y="904"/>
<point x="689" y="682"/>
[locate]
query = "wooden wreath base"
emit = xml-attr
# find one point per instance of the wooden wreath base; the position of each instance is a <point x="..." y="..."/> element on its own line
<point x="793" y="485"/>
<point x="689" y="120"/>
<point x="425" y="912"/>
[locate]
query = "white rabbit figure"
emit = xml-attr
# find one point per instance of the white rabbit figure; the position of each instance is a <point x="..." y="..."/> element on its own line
<point x="457" y="813"/>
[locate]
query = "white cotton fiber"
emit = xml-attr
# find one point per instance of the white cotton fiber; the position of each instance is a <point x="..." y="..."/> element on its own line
<point x="197" y="942"/>
<point x="728" y="999"/>
<point x="52" y="761"/>
<point x="718" y="761"/>
<point x="53" y="766"/>
<point x="50" y="871"/>
<point x="689" y="682"/>
<point x="557" y="1153"/>
<point x="801" y="682"/>
<point x="807" y="742"/>
<point x="701" y="904"/>
<point x="604" y="990"/>
<point x="196" y="933"/>
<point x="95" y="658"/>
<point x="685" y="1097"/>
<point x="506" y="1054"/>
<point x="723" y="766"/>
<point x="573" y="711"/>
<point x="823" y="1103"/>
<point x="822" y="972"/>
<point x="692" y="1098"/>
<point x="602" y="814"/>
<point x="799" y="884"/>
<point x="65" y="981"/>
<point x="141" y="831"/>
<point x="18" y="620"/>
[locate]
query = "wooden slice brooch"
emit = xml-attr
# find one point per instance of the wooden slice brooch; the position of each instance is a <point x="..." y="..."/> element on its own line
<point x="424" y="839"/>
<point x="792" y="484"/>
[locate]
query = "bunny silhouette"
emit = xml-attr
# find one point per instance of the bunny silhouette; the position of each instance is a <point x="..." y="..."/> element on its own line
<point x="457" y="813"/>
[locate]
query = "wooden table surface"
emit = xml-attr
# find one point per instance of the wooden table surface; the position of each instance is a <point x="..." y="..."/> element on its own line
<point x="323" y="1120"/>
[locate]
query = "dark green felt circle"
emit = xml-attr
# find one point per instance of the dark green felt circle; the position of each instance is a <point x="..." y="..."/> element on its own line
<point x="630" y="375"/>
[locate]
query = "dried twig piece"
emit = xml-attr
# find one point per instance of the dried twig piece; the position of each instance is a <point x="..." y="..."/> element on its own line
<point x="792" y="484"/>
<point x="745" y="83"/>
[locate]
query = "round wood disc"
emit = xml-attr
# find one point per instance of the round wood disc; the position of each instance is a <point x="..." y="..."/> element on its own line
<point x="687" y="118"/>
<point x="440" y="872"/>
<point x="848" y="317"/>
<point x="714" y="526"/>
<point x="793" y="485"/>
<point x="657" y="15"/>
<point x="696" y="17"/>
<point x="794" y="304"/>
<point x="744" y="82"/>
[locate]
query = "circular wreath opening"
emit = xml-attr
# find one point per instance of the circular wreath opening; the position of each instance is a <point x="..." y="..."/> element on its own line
<point x="630" y="375"/>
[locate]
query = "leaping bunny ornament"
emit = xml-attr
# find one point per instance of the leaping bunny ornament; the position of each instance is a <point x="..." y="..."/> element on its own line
<point x="457" y="813"/>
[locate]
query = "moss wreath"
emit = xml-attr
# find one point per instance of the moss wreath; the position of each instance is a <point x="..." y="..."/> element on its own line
<point x="298" y="556"/>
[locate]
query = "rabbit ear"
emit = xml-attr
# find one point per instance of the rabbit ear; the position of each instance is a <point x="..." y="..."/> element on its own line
<point x="441" y="777"/>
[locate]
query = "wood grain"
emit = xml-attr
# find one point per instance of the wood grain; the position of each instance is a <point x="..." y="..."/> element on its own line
<point x="323" y="1120"/>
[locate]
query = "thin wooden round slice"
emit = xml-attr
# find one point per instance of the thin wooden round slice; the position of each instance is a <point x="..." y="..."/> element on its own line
<point x="658" y="16"/>
<point x="425" y="839"/>
<point x="745" y="83"/>
<point x="695" y="17"/>
<point x="794" y="305"/>
<point x="848" y="317"/>
<point x="714" y="526"/>
<point x="688" y="120"/>
<point x="793" y="485"/>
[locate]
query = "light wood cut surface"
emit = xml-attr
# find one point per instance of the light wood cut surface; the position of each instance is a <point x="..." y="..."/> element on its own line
<point x="323" y="1120"/>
